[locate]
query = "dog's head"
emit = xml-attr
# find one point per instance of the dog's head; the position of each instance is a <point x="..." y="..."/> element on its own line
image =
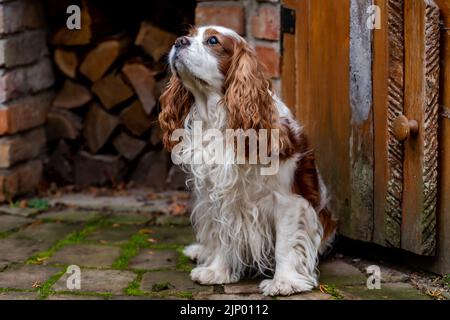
<point x="214" y="60"/>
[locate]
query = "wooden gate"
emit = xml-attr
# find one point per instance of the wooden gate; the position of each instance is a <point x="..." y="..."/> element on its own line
<point x="366" y="88"/>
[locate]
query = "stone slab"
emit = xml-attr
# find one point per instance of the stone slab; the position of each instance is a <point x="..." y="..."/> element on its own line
<point x="9" y="222"/>
<point x="24" y="277"/>
<point x="149" y="259"/>
<point x="101" y="281"/>
<point x="86" y="255"/>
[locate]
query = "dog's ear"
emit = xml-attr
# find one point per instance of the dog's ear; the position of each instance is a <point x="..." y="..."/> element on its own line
<point x="248" y="91"/>
<point x="175" y="101"/>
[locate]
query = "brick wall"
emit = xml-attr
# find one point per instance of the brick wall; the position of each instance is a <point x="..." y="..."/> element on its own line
<point x="257" y="20"/>
<point x="26" y="78"/>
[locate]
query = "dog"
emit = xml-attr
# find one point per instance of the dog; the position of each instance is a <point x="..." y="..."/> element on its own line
<point x="245" y="222"/>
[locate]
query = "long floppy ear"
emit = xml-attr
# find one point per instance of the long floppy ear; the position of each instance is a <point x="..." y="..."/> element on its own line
<point x="175" y="101"/>
<point x="247" y="92"/>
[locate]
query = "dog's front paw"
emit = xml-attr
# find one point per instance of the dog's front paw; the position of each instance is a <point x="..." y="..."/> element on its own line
<point x="210" y="275"/>
<point x="285" y="286"/>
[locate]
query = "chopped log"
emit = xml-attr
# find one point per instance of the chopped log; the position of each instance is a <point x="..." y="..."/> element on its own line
<point x="98" y="126"/>
<point x="101" y="58"/>
<point x="152" y="170"/>
<point x="98" y="170"/>
<point x="156" y="135"/>
<point x="63" y="124"/>
<point x="59" y="165"/>
<point x="176" y="179"/>
<point x="94" y="24"/>
<point x="128" y="146"/>
<point x="72" y="95"/>
<point x="112" y="90"/>
<point x="67" y="62"/>
<point x="135" y="119"/>
<point x="155" y="41"/>
<point x="143" y="83"/>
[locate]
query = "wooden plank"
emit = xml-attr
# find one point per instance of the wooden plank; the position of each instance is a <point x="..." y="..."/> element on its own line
<point x="323" y="95"/>
<point x="361" y="126"/>
<point x="442" y="262"/>
<point x="421" y="104"/>
<point x="388" y="88"/>
<point x="288" y="64"/>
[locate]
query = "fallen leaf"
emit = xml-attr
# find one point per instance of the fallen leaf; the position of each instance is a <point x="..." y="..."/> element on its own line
<point x="36" y="284"/>
<point x="116" y="225"/>
<point x="146" y="231"/>
<point x="177" y="209"/>
<point x="151" y="240"/>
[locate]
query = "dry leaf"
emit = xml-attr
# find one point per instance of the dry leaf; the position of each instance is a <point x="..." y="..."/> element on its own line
<point x="177" y="209"/>
<point x="146" y="231"/>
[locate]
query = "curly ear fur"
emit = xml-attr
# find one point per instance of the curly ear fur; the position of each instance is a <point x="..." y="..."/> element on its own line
<point x="175" y="101"/>
<point x="247" y="92"/>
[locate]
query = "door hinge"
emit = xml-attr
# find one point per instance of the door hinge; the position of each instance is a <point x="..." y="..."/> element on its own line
<point x="287" y="20"/>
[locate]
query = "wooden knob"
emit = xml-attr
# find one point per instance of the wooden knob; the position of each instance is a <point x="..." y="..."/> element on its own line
<point x="403" y="127"/>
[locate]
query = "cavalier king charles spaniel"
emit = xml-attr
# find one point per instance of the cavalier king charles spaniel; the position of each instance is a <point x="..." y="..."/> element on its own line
<point x="245" y="222"/>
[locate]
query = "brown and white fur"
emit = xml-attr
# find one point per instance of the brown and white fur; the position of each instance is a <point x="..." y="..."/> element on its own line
<point x="276" y="224"/>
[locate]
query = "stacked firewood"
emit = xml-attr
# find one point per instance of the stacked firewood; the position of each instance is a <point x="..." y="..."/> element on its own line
<point x="102" y="127"/>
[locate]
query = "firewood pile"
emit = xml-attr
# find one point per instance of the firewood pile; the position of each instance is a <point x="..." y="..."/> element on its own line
<point x="102" y="127"/>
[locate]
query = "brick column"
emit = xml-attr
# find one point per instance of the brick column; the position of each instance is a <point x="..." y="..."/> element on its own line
<point x="257" y="20"/>
<point x="26" y="77"/>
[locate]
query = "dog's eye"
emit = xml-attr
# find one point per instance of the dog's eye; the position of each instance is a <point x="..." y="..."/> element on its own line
<point x="212" y="41"/>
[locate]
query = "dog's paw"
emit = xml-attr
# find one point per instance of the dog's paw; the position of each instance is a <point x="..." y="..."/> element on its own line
<point x="285" y="286"/>
<point x="210" y="275"/>
<point x="193" y="251"/>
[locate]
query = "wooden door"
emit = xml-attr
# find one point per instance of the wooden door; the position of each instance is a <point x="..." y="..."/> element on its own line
<point x="350" y="85"/>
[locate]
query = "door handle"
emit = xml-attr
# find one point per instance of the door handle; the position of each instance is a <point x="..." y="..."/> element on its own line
<point x="403" y="128"/>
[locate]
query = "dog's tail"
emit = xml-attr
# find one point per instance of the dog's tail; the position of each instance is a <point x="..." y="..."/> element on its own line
<point x="329" y="223"/>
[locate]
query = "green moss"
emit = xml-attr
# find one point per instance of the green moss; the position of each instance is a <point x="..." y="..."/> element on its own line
<point x="183" y="263"/>
<point x="72" y="238"/>
<point x="160" y="286"/>
<point x="35" y="203"/>
<point x="134" y="288"/>
<point x="130" y="250"/>
<point x="46" y="289"/>
<point x="331" y="290"/>
<point x="184" y="294"/>
<point x="169" y="246"/>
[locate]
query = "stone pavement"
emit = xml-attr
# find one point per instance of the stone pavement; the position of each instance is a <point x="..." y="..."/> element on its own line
<point x="128" y="246"/>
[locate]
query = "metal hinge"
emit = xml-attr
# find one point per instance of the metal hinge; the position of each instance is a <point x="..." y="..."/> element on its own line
<point x="287" y="20"/>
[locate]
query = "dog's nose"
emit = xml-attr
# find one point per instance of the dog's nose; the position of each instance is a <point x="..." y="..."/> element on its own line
<point x="182" y="42"/>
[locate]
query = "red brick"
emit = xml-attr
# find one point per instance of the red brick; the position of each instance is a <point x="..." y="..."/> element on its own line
<point x="21" y="179"/>
<point x="25" y="113"/>
<point x="25" y="80"/>
<point x="270" y="58"/>
<point x="225" y="14"/>
<point x="20" y="15"/>
<point x="266" y="23"/>
<point x="12" y="51"/>
<point x="14" y="149"/>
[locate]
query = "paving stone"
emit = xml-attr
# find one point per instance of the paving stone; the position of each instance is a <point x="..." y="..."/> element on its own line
<point x="9" y="222"/>
<point x="19" y="250"/>
<point x="173" y="235"/>
<point x="138" y="298"/>
<point x="3" y="265"/>
<point x="338" y="272"/>
<point x="154" y="259"/>
<point x="114" y="235"/>
<point x="73" y="297"/>
<point x="12" y="295"/>
<point x="45" y="233"/>
<point x="130" y="218"/>
<point x="24" y="212"/>
<point x="313" y="295"/>
<point x="87" y="255"/>
<point x="102" y="281"/>
<point x="388" y="291"/>
<point x="168" y="220"/>
<point x="72" y="215"/>
<point x="175" y="280"/>
<point x="243" y="287"/>
<point x="90" y="201"/>
<point x="25" y="276"/>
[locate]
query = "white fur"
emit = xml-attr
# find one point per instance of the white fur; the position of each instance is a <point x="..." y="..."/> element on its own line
<point x="243" y="220"/>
